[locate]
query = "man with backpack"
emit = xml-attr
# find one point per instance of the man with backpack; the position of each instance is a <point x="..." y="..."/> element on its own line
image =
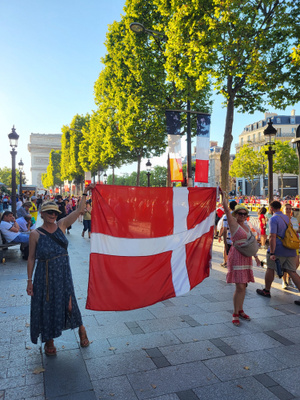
<point x="287" y="257"/>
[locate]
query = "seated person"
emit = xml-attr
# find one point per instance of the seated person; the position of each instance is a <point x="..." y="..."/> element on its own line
<point x="24" y="223"/>
<point x="11" y="232"/>
<point x="24" y="209"/>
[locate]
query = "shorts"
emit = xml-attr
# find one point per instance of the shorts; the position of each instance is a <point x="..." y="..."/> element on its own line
<point x="287" y="263"/>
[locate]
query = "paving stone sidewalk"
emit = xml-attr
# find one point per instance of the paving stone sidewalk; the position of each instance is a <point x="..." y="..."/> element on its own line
<point x="184" y="348"/>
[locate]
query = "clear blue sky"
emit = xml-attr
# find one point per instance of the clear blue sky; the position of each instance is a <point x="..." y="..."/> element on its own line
<point x="50" y="59"/>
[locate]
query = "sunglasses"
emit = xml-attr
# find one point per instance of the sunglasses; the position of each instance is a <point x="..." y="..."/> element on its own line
<point x="50" y="212"/>
<point x="242" y="214"/>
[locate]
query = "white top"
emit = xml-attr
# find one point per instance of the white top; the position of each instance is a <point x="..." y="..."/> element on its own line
<point x="19" y="204"/>
<point x="5" y="229"/>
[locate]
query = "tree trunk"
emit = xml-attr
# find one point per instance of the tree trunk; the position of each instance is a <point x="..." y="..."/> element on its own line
<point x="225" y="155"/>
<point x="253" y="186"/>
<point x="139" y="159"/>
<point x="113" y="174"/>
<point x="281" y="181"/>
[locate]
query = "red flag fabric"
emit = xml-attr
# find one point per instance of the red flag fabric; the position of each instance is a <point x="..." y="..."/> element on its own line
<point x="148" y="244"/>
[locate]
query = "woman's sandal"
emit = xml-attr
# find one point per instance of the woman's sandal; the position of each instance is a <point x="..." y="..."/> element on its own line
<point x="84" y="341"/>
<point x="244" y="316"/>
<point x="235" y="319"/>
<point x="50" y="349"/>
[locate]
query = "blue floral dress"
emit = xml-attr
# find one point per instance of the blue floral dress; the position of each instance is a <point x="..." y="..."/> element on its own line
<point x="52" y="290"/>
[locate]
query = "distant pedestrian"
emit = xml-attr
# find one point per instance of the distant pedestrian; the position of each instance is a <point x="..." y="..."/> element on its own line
<point x="61" y="207"/>
<point x="87" y="217"/>
<point x="54" y="306"/>
<point x="276" y="250"/>
<point x="263" y="226"/>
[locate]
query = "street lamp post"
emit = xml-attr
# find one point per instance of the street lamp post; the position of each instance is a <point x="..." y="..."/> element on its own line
<point x="21" y="165"/>
<point x="297" y="141"/>
<point x="270" y="132"/>
<point x="148" y="166"/>
<point x="105" y="178"/>
<point x="13" y="142"/>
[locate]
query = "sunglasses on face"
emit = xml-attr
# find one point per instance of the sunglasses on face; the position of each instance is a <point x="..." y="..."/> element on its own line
<point x="50" y="212"/>
<point x="242" y="214"/>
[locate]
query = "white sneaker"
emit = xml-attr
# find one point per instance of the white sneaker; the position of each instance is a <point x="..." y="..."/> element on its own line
<point x="291" y="283"/>
<point x="284" y="285"/>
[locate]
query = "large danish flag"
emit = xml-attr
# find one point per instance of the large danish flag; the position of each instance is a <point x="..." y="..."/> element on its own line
<point x="148" y="244"/>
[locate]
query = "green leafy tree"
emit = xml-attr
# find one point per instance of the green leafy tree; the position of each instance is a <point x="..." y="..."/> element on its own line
<point x="52" y="177"/>
<point x="285" y="160"/>
<point x="241" y="47"/>
<point x="6" y="175"/>
<point x="247" y="164"/>
<point x="65" y="170"/>
<point x="159" y="176"/>
<point x="72" y="158"/>
<point x="132" y="91"/>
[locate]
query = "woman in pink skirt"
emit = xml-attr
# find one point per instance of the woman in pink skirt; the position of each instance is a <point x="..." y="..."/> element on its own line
<point x="239" y="267"/>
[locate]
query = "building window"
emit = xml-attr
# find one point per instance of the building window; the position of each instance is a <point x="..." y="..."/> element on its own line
<point x="278" y="132"/>
<point x="248" y="139"/>
<point x="242" y="141"/>
<point x="293" y="131"/>
<point x="254" y="137"/>
<point x="278" y="120"/>
<point x="292" y="120"/>
<point x="259" y="136"/>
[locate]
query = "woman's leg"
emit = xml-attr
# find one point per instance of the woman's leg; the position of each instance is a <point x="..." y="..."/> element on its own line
<point x="238" y="297"/>
<point x="84" y="341"/>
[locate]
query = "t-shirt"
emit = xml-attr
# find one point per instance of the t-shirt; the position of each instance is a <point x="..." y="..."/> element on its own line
<point x="33" y="211"/>
<point x="22" y="224"/>
<point x="278" y="226"/>
<point x="21" y="212"/>
<point x="7" y="233"/>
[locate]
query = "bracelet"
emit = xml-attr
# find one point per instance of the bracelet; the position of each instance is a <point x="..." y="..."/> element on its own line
<point x="84" y="194"/>
<point x="29" y="280"/>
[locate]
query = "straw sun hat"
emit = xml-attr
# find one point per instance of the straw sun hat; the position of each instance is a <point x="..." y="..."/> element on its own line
<point x="238" y="208"/>
<point x="50" y="205"/>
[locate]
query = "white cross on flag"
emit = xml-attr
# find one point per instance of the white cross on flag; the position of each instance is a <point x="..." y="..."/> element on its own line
<point x="148" y="244"/>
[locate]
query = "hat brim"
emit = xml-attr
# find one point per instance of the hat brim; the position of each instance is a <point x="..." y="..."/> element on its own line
<point x="50" y="208"/>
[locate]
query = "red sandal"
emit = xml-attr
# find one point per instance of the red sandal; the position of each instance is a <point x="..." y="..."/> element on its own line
<point x="235" y="319"/>
<point x="50" y="349"/>
<point x="244" y="316"/>
<point x="84" y="341"/>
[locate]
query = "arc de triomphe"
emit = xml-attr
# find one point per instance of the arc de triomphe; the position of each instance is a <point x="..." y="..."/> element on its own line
<point x="40" y="146"/>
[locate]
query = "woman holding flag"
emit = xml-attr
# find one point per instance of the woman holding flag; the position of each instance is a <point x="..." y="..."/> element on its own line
<point x="53" y="303"/>
<point x="239" y="267"/>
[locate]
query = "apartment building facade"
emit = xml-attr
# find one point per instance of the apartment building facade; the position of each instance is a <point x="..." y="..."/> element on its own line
<point x="253" y="135"/>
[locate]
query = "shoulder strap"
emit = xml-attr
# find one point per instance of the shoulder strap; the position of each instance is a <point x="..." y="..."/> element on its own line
<point x="60" y="242"/>
<point x="287" y="224"/>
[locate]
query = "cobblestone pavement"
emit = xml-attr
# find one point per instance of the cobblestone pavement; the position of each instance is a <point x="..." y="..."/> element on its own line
<point x="185" y="348"/>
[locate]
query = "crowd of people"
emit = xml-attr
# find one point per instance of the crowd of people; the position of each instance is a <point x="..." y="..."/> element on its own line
<point x="233" y="225"/>
<point x="53" y="302"/>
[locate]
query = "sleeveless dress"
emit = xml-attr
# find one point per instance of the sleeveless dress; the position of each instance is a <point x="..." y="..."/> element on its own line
<point x="52" y="289"/>
<point x="239" y="267"/>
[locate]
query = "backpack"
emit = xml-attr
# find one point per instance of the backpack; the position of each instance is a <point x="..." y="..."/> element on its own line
<point x="290" y="239"/>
